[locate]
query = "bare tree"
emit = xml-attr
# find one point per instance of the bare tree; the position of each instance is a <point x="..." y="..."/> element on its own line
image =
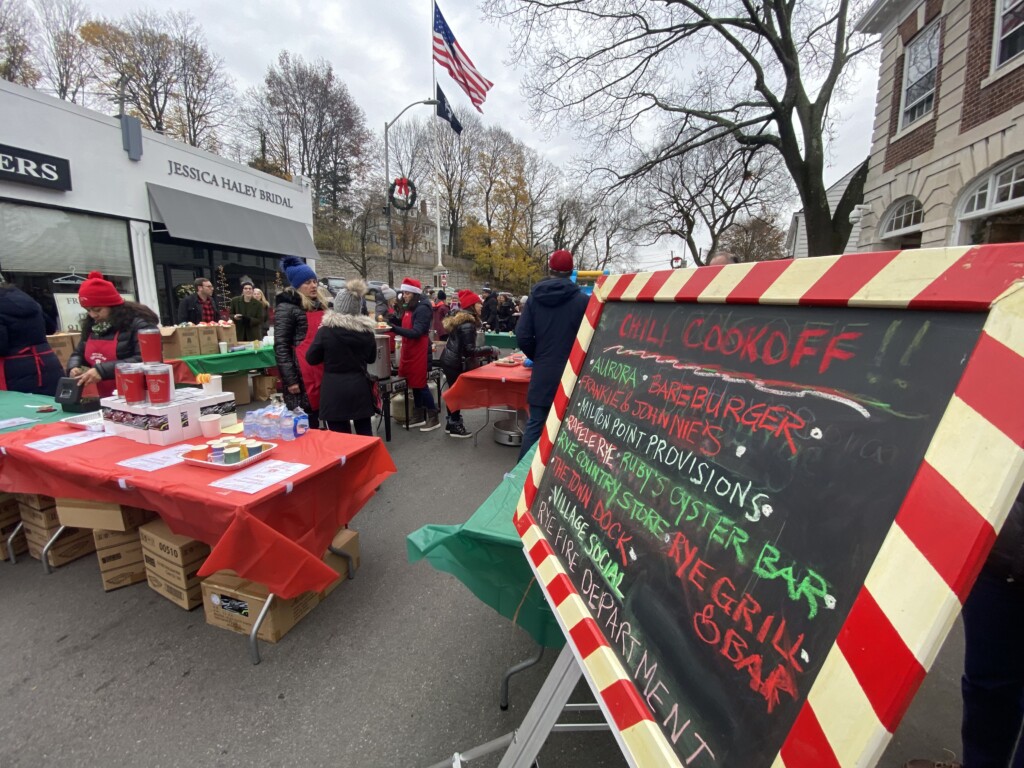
<point x="204" y="96"/>
<point x="763" y="73"/>
<point x="701" y="193"/>
<point x="454" y="158"/>
<point x="755" y="238"/>
<point x="66" y="60"/>
<point x="17" y="28"/>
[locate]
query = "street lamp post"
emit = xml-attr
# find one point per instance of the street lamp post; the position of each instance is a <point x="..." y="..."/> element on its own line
<point x="387" y="181"/>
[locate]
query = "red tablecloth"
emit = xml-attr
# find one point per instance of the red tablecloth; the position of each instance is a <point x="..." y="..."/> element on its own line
<point x="275" y="537"/>
<point x="490" y="386"/>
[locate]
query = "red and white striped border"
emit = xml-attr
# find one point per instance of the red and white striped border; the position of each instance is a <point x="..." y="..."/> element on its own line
<point x="956" y="504"/>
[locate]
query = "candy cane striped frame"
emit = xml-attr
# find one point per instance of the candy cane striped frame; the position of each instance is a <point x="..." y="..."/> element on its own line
<point x="956" y="504"/>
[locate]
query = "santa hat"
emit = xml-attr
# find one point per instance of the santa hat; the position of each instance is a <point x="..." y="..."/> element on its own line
<point x="412" y="285"/>
<point x="97" y="292"/>
<point x="297" y="270"/>
<point x="560" y="261"/>
<point x="468" y="299"/>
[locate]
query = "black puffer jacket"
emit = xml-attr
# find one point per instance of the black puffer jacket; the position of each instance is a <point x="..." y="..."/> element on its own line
<point x="461" y="346"/>
<point x="31" y="365"/>
<point x="127" y="346"/>
<point x="290" y="327"/>
<point x="345" y="345"/>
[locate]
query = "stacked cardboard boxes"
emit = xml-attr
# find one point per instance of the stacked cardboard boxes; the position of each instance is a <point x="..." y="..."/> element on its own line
<point x="120" y="558"/>
<point x="234" y="603"/>
<point x="39" y="514"/>
<point x="207" y="339"/>
<point x="10" y="516"/>
<point x="172" y="563"/>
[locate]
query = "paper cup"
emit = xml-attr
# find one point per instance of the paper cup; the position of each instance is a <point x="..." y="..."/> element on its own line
<point x="223" y="346"/>
<point x="210" y="425"/>
<point x="214" y="386"/>
<point x="232" y="455"/>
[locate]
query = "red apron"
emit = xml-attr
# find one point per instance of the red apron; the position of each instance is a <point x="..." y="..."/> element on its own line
<point x="412" y="364"/>
<point x="100" y="351"/>
<point x="22" y="353"/>
<point x="312" y="375"/>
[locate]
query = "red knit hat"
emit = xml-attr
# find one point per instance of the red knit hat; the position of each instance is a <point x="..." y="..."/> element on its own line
<point x="411" y="285"/>
<point x="468" y="299"/>
<point x="560" y="261"/>
<point x="97" y="292"/>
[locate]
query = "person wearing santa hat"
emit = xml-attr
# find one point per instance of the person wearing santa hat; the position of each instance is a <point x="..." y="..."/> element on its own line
<point x="461" y="352"/>
<point x="110" y="333"/>
<point x="545" y="332"/>
<point x="414" y="359"/>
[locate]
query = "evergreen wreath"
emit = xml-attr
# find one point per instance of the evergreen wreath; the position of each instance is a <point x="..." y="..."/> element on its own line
<point x="408" y="189"/>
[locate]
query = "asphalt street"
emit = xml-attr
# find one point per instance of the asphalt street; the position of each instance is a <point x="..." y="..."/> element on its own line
<point x="399" y="667"/>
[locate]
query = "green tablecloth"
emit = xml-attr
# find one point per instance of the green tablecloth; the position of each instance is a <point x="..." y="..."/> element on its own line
<point x="232" y="362"/>
<point x="501" y="340"/>
<point x="12" y="405"/>
<point x="486" y="554"/>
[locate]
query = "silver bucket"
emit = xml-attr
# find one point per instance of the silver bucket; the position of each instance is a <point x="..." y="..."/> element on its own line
<point x="381" y="366"/>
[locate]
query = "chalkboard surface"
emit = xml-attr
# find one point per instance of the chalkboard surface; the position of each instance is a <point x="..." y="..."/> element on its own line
<point x="720" y="485"/>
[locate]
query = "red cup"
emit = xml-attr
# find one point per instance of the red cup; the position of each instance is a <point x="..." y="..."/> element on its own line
<point x="159" y="383"/>
<point x="133" y="381"/>
<point x="151" y="345"/>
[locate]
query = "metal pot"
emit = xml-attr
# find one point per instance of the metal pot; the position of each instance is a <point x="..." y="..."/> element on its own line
<point x="481" y="338"/>
<point x="381" y="366"/>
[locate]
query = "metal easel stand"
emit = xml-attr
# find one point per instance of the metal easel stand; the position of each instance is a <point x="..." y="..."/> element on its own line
<point x="514" y="670"/>
<point x="254" y="642"/>
<point x="10" y="542"/>
<point x="524" y="744"/>
<point x="46" y="550"/>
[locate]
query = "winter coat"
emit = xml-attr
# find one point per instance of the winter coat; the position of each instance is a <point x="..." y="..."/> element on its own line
<point x="1006" y="560"/>
<point x="250" y="326"/>
<point x="189" y="310"/>
<point x="504" y="311"/>
<point x="31" y="366"/>
<point x="461" y="348"/>
<point x="437" y="324"/>
<point x="290" y="328"/>
<point x="127" y="347"/>
<point x="415" y="357"/>
<point x="546" y="331"/>
<point x="345" y="345"/>
<point x="489" y="312"/>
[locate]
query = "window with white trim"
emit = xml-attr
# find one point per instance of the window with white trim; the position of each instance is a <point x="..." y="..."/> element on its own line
<point x="1009" y="30"/>
<point x="905" y="217"/>
<point x="1001" y="190"/>
<point x="920" y="70"/>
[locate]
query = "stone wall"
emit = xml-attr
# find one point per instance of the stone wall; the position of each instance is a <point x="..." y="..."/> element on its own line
<point x="420" y="266"/>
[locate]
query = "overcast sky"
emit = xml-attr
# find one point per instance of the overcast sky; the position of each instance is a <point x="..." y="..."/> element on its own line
<point x="382" y="51"/>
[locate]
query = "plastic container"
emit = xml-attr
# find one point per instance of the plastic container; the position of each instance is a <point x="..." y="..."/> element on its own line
<point x="151" y="345"/>
<point x="130" y="380"/>
<point x="249" y="425"/>
<point x="159" y="383"/>
<point x="301" y="422"/>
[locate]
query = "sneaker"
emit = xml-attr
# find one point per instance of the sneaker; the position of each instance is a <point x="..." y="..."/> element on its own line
<point x="458" y="430"/>
<point x="417" y="418"/>
<point x="432" y="422"/>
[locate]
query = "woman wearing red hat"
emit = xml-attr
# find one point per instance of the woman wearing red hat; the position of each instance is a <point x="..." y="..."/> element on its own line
<point x="110" y="333"/>
<point x="415" y="356"/>
<point x="461" y="351"/>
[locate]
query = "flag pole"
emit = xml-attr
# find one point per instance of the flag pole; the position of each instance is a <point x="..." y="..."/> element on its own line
<point x="437" y="144"/>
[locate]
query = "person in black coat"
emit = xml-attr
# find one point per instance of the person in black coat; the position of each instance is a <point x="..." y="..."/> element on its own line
<point x="27" y="364"/>
<point x="545" y="332"/>
<point x="110" y="334"/>
<point x="460" y="351"/>
<point x="489" y="313"/>
<point x="201" y="306"/>
<point x="345" y="346"/>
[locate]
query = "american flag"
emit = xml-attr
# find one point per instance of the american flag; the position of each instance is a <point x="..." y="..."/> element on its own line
<point x="449" y="54"/>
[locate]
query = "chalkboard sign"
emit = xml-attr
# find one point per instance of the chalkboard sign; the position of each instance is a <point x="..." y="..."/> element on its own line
<point x="734" y="503"/>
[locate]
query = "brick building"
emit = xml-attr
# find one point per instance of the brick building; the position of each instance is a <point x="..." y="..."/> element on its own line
<point x="947" y="154"/>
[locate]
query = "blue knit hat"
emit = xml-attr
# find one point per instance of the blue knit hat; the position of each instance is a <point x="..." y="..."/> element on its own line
<point x="297" y="270"/>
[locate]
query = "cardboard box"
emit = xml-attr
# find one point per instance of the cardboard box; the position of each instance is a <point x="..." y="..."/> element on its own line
<point x="79" y="513"/>
<point x="187" y="599"/>
<point x="110" y="539"/>
<point x="238" y="385"/>
<point x="263" y="387"/>
<point x="39" y="519"/>
<point x="179" y="342"/>
<point x="207" y="339"/>
<point x="63" y="344"/>
<point x="35" y="501"/>
<point x="234" y="603"/>
<point x="10" y="510"/>
<point x="112" y="558"/>
<point x="72" y="545"/>
<point x="179" y="550"/>
<point x="20" y="543"/>
<point x="227" y="333"/>
<point x="183" y="577"/>
<point x="131" y="573"/>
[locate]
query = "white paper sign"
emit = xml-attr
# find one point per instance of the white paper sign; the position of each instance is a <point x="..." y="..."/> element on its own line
<point x="151" y="462"/>
<point x="17" y="421"/>
<point x="260" y="476"/>
<point x="65" y="441"/>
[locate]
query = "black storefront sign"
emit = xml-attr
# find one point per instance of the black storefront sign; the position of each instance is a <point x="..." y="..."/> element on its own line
<point x="22" y="166"/>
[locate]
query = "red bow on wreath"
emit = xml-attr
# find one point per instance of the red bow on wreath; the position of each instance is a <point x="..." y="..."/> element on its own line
<point x="402" y="187"/>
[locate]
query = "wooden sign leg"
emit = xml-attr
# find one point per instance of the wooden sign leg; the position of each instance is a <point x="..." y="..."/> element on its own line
<point x="544" y="712"/>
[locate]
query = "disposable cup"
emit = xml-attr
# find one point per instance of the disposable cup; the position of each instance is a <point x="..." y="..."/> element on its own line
<point x="210" y="425"/>
<point x="133" y="381"/>
<point x="223" y="346"/>
<point x="159" y="383"/>
<point x="232" y="455"/>
<point x="214" y="386"/>
<point x="151" y="345"/>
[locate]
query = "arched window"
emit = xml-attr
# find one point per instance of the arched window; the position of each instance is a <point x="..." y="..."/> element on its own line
<point x="992" y="206"/>
<point x="901" y="226"/>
